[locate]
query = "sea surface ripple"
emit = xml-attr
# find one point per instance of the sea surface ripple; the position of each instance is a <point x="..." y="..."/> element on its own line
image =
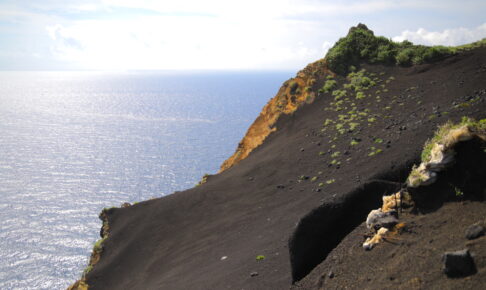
<point x="72" y="143"/>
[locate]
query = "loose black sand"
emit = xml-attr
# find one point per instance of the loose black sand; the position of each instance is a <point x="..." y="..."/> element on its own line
<point x="251" y="209"/>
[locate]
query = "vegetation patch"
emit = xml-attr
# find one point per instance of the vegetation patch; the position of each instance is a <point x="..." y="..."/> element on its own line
<point x="374" y="151"/>
<point x="330" y="181"/>
<point x="335" y="154"/>
<point x="329" y="85"/>
<point x="260" y="257"/>
<point x="362" y="45"/>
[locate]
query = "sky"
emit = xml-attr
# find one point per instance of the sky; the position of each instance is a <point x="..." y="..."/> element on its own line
<point x="214" y="34"/>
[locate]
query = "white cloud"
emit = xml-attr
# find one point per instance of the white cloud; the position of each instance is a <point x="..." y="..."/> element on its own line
<point x="450" y="37"/>
<point x="194" y="34"/>
<point x="178" y="43"/>
<point x="326" y="46"/>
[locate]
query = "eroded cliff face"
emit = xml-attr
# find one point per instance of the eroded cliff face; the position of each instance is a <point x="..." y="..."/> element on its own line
<point x="293" y="94"/>
<point x="81" y="284"/>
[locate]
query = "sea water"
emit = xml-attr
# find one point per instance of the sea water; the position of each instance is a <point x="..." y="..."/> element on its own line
<point x="72" y="143"/>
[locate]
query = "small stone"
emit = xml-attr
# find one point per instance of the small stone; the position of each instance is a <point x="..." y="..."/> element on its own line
<point x="474" y="231"/>
<point x="280" y="186"/>
<point x="330" y="274"/>
<point x="224" y="258"/>
<point x="458" y="263"/>
<point x="317" y="190"/>
<point x="253" y="274"/>
<point x="301" y="149"/>
<point x="250" y="178"/>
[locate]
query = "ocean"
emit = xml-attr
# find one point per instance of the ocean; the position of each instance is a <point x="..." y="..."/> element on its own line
<point x="73" y="143"/>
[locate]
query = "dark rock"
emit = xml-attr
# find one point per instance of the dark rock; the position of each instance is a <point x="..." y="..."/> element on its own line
<point x="253" y="274"/>
<point x="317" y="190"/>
<point x="458" y="263"/>
<point x="474" y="231"/>
<point x="280" y="186"/>
<point x="330" y="274"/>
<point x="301" y="149"/>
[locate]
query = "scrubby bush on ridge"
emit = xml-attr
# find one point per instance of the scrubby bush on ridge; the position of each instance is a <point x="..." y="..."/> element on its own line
<point x="362" y="45"/>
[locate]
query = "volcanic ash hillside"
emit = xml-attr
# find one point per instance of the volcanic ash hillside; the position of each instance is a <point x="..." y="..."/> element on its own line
<point x="290" y="206"/>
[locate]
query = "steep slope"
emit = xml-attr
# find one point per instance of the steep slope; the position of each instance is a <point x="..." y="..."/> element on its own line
<point x="208" y="237"/>
<point x="293" y="94"/>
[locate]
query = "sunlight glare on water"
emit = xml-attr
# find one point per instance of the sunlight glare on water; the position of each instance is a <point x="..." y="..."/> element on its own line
<point x="73" y="143"/>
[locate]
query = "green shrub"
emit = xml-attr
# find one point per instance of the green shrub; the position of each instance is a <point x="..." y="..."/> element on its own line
<point x="338" y="94"/>
<point x="362" y="45"/>
<point x="385" y="53"/>
<point x="470" y="46"/>
<point x="335" y="154"/>
<point x="353" y="126"/>
<point x="404" y="57"/>
<point x="329" y="85"/>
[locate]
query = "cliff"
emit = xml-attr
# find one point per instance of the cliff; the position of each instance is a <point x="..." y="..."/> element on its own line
<point x="290" y="206"/>
<point x="293" y="94"/>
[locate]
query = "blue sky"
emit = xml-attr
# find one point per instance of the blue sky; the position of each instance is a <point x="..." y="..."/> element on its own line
<point x="214" y="34"/>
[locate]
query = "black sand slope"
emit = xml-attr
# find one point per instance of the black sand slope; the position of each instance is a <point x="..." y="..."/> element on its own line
<point x="208" y="237"/>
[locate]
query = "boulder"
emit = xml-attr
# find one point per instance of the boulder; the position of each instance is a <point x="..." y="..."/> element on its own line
<point x="474" y="231"/>
<point x="458" y="263"/>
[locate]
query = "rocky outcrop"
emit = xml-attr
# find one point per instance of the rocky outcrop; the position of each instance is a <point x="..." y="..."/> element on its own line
<point x="81" y="284"/>
<point x="439" y="152"/>
<point x="438" y="155"/>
